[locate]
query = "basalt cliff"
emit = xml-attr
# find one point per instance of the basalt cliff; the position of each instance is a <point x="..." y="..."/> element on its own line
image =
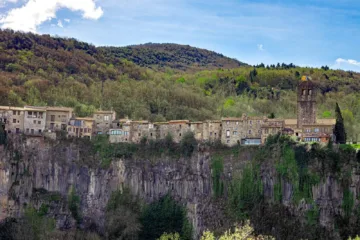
<point x="34" y="171"/>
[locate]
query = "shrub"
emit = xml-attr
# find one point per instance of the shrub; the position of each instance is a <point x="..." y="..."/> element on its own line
<point x="188" y="144"/>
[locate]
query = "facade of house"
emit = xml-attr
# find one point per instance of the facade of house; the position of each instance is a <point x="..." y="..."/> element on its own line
<point x="13" y="118"/>
<point x="103" y="121"/>
<point x="81" y="127"/>
<point x="57" y="118"/>
<point x="34" y="120"/>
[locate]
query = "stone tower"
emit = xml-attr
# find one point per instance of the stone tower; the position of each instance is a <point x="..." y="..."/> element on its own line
<point x="306" y="103"/>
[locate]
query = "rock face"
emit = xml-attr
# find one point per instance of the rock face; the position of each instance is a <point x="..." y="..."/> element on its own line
<point x="32" y="165"/>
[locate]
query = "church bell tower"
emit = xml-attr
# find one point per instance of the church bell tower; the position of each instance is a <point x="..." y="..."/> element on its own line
<point x="306" y="102"/>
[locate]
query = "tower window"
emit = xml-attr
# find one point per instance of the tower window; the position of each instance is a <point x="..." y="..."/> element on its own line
<point x="303" y="92"/>
<point x="310" y="92"/>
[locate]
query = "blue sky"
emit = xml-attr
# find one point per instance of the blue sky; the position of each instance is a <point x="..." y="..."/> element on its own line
<point x="304" y="32"/>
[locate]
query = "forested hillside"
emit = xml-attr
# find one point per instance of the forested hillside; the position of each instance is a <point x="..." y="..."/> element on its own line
<point x="161" y="81"/>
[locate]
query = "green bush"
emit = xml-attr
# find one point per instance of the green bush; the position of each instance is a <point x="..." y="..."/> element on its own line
<point x="188" y="144"/>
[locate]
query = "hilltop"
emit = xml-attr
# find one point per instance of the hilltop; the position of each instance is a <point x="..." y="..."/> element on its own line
<point x="175" y="56"/>
<point x="160" y="82"/>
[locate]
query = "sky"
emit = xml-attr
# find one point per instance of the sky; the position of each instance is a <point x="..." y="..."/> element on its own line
<point x="304" y="32"/>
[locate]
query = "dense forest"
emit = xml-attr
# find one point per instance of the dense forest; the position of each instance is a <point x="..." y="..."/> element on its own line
<point x="162" y="81"/>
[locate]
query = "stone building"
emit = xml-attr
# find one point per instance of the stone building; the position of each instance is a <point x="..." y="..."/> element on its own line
<point x="13" y="117"/>
<point x="57" y="118"/>
<point x="120" y="131"/>
<point x="103" y="121"/>
<point x="198" y="129"/>
<point x="245" y="130"/>
<point x="177" y="129"/>
<point x="271" y="127"/>
<point x="81" y="127"/>
<point x="140" y="130"/>
<point x="306" y="103"/>
<point x="34" y="120"/>
<point x="212" y="130"/>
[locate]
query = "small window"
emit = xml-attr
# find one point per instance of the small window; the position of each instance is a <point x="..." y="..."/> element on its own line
<point x="249" y="131"/>
<point x="227" y="141"/>
<point x="106" y="118"/>
<point x="310" y="92"/>
<point x="227" y="122"/>
<point x="34" y="121"/>
<point x="151" y="134"/>
<point x="39" y="122"/>
<point x="14" y="120"/>
<point x="180" y="134"/>
<point x="139" y="134"/>
<point x="14" y="112"/>
<point x="303" y="92"/>
<point x="316" y="130"/>
<point x="250" y="122"/>
<point x="227" y="133"/>
<point x="235" y="133"/>
<point x="39" y="130"/>
<point x="210" y="133"/>
<point x="30" y="113"/>
<point x="237" y="123"/>
<point x="32" y="131"/>
<point x="27" y="130"/>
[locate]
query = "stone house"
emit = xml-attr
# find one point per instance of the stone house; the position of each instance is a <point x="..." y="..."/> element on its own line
<point x="271" y="127"/>
<point x="244" y="131"/>
<point x="81" y="127"/>
<point x="120" y="131"/>
<point x="212" y="130"/>
<point x="13" y="117"/>
<point x="34" y="120"/>
<point x="177" y="129"/>
<point x="57" y="118"/>
<point x="103" y="121"/>
<point x="140" y="130"/>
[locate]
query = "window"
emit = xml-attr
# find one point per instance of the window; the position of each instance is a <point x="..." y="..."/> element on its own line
<point x="52" y="118"/>
<point x="249" y="131"/>
<point x="235" y="133"/>
<point x="227" y="141"/>
<point x="310" y="92"/>
<point x="237" y="123"/>
<point x="316" y="130"/>
<point x="151" y="134"/>
<point x="179" y="134"/>
<point x="34" y="121"/>
<point x="139" y="134"/>
<point x="39" y="130"/>
<point x="227" y="122"/>
<point x="39" y="122"/>
<point x="27" y="130"/>
<point x="106" y="118"/>
<point x="81" y="130"/>
<point x="40" y="115"/>
<point x="32" y="131"/>
<point x="14" y="120"/>
<point x="227" y="133"/>
<point x="250" y="122"/>
<point x="29" y="113"/>
<point x="303" y="92"/>
<point x="14" y="112"/>
<point x="210" y="133"/>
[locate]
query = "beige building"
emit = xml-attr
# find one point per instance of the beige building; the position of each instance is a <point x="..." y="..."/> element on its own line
<point x="57" y="118"/>
<point x="244" y="131"/>
<point x="120" y="131"/>
<point x="81" y="127"/>
<point x="271" y="127"/>
<point x="103" y="121"/>
<point x="13" y="117"/>
<point x="34" y="120"/>
<point x="212" y="130"/>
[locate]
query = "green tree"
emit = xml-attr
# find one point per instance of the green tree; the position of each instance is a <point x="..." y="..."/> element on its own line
<point x="339" y="130"/>
<point x="169" y="236"/>
<point x="163" y="216"/>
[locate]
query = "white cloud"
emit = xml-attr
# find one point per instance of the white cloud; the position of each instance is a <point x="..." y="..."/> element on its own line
<point x="260" y="47"/>
<point x="28" y="17"/>
<point x="348" y="61"/>
<point x="67" y="20"/>
<point x="60" y="24"/>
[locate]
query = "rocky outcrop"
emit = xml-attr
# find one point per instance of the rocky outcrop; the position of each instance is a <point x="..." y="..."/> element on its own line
<point x="33" y="166"/>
